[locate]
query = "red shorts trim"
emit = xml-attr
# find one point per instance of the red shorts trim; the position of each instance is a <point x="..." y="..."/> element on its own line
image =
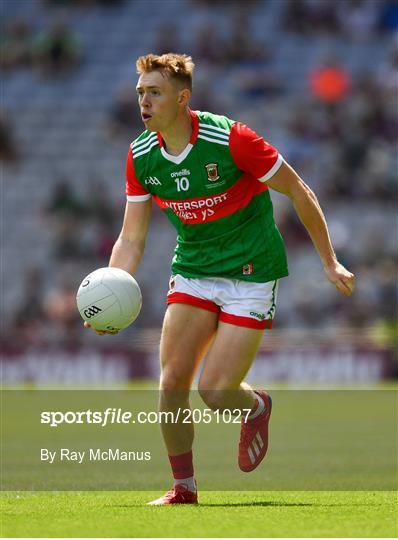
<point x="247" y="322"/>
<point x="184" y="298"/>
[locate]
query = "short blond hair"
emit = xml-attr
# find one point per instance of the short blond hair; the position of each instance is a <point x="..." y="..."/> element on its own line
<point x="178" y="67"/>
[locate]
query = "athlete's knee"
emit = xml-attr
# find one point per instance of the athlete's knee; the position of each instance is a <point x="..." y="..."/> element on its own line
<point x="172" y="380"/>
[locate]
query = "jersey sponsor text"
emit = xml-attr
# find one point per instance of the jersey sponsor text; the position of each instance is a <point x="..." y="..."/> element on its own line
<point x="195" y="210"/>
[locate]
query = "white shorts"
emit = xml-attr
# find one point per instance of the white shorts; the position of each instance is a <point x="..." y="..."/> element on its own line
<point x="237" y="302"/>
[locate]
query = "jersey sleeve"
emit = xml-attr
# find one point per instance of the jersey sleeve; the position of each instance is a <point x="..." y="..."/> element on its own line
<point x="135" y="191"/>
<point x="252" y="154"/>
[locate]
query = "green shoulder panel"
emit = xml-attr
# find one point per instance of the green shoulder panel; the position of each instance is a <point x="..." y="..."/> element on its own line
<point x="215" y="120"/>
<point x="146" y="143"/>
<point x="142" y="137"/>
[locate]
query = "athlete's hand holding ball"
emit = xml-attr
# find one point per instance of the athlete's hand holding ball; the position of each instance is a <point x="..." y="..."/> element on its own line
<point x="109" y="299"/>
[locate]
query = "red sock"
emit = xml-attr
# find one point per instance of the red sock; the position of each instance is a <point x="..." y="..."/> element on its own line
<point x="182" y="465"/>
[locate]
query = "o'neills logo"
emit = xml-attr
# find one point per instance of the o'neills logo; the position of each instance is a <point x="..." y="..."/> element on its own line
<point x="184" y="172"/>
<point x="212" y="172"/>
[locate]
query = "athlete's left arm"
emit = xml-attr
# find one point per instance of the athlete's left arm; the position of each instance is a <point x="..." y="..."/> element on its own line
<point x="306" y="204"/>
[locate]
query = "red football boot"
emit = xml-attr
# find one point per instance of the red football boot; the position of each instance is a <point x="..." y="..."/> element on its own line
<point x="178" y="495"/>
<point x="253" y="442"/>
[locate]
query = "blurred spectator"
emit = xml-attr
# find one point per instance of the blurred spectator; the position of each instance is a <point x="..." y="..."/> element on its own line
<point x="295" y="17"/>
<point x="101" y="219"/>
<point x="167" y="38"/>
<point x="309" y="312"/>
<point x="310" y="16"/>
<point x="8" y="147"/>
<point x="29" y="321"/>
<point x="57" y="51"/>
<point x="330" y="82"/>
<point x="315" y="122"/>
<point x="64" y="202"/>
<point x="388" y="77"/>
<point x="379" y="174"/>
<point x="204" y="99"/>
<point x="259" y="83"/>
<point x="389" y="15"/>
<point x="60" y="304"/>
<point x="292" y="230"/>
<point x="353" y="150"/>
<point x="124" y="121"/>
<point x="67" y="213"/>
<point x="64" y="324"/>
<point x="380" y="122"/>
<point x="358" y="19"/>
<point x="322" y="16"/>
<point x="68" y="239"/>
<point x="224" y="4"/>
<point x="16" y="46"/>
<point x="109" y="3"/>
<point x="103" y="244"/>
<point x="388" y="289"/>
<point x="208" y="45"/>
<point x="82" y="3"/>
<point x="98" y="205"/>
<point x="384" y="327"/>
<point x="32" y="295"/>
<point x="241" y="46"/>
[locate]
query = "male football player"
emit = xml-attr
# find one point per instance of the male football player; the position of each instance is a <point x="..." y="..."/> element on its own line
<point x="211" y="176"/>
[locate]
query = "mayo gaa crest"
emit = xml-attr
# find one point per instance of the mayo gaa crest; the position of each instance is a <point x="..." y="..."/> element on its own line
<point x="212" y="172"/>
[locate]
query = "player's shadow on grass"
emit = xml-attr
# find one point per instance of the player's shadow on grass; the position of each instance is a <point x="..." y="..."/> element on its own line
<point x="210" y="505"/>
<point x="276" y="503"/>
<point x="257" y="503"/>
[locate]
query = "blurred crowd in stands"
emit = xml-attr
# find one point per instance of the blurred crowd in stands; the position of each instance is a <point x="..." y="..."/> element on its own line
<point x="53" y="52"/>
<point x="340" y="134"/>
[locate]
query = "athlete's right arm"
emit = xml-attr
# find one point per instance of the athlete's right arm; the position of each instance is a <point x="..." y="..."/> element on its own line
<point x="129" y="247"/>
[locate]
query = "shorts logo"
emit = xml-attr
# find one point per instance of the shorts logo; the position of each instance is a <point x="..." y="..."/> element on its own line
<point x="247" y="269"/>
<point x="260" y="316"/>
<point x="212" y="172"/>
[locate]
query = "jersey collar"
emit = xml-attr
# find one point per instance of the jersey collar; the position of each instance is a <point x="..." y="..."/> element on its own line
<point x="180" y="158"/>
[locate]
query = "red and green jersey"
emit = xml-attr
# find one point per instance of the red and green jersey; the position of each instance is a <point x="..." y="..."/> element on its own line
<point x="216" y="196"/>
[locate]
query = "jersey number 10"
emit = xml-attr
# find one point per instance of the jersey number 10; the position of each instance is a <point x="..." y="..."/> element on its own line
<point x="182" y="183"/>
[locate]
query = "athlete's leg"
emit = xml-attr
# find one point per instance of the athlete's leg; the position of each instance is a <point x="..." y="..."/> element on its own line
<point x="186" y="335"/>
<point x="246" y="310"/>
<point x="220" y="386"/>
<point x="228" y="360"/>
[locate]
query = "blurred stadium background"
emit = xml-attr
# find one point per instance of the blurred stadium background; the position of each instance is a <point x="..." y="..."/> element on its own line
<point x="317" y="78"/>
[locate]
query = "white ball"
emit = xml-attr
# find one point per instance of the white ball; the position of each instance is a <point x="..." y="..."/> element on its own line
<point x="109" y="299"/>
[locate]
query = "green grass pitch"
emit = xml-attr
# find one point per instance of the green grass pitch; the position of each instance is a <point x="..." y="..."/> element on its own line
<point x="220" y="514"/>
<point x="364" y="509"/>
